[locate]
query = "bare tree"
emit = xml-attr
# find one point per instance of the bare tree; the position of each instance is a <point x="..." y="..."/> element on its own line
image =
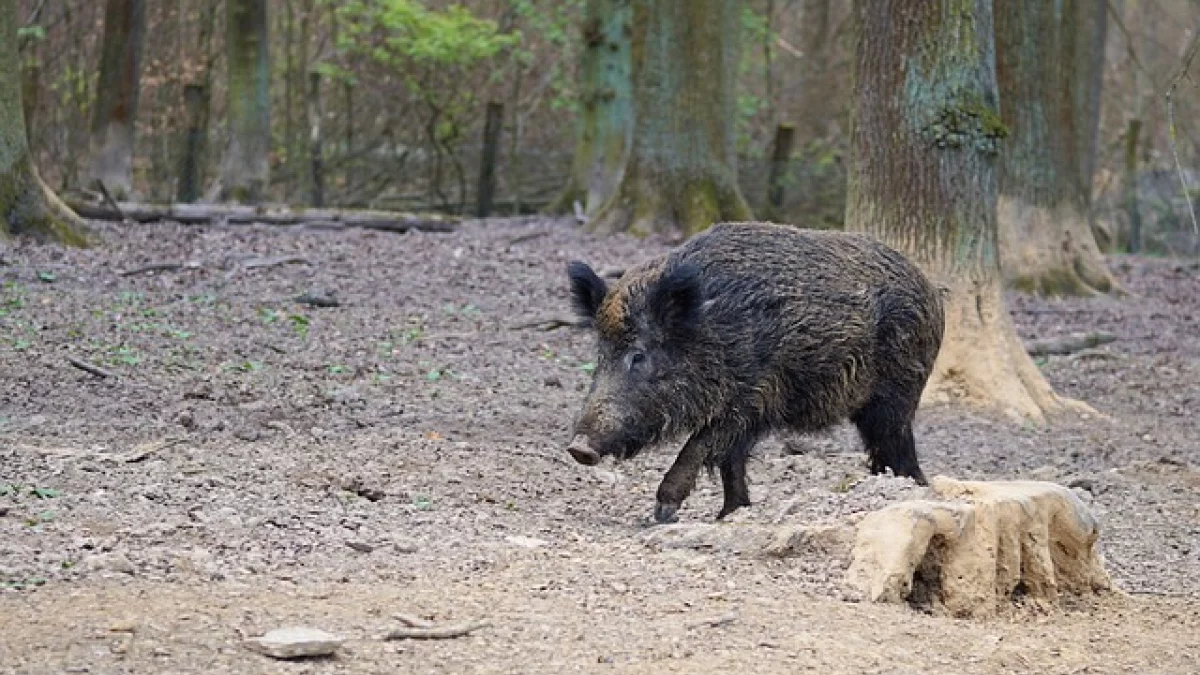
<point x="114" y="115"/>
<point x="27" y="205"/>
<point x="246" y="167"/>
<point x="1046" y="67"/>
<point x="925" y="136"/>
<point x="605" y="107"/>
<point x="681" y="175"/>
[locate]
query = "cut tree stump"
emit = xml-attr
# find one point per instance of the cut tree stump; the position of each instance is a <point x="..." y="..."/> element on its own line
<point x="390" y="221"/>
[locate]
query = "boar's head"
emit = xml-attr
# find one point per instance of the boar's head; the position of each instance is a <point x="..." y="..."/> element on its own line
<point x="646" y="327"/>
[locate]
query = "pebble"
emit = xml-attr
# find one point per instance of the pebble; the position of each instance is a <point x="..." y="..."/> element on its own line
<point x="295" y="642"/>
<point x="108" y="562"/>
<point x="525" y="542"/>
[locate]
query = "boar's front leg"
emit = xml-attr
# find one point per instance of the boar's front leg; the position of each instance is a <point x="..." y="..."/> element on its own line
<point x="720" y="441"/>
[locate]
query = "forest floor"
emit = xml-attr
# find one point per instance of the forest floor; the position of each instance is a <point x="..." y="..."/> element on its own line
<point x="256" y="462"/>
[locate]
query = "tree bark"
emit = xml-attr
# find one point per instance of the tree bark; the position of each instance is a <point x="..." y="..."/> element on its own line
<point x="605" y="121"/>
<point x="316" y="155"/>
<point x="27" y="205"/>
<point x="925" y="133"/>
<point x="114" y="115"/>
<point x="681" y="174"/>
<point x="813" y="72"/>
<point x="245" y="169"/>
<point x="1046" y="100"/>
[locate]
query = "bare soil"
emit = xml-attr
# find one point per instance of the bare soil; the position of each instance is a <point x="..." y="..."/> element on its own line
<point x="254" y="462"/>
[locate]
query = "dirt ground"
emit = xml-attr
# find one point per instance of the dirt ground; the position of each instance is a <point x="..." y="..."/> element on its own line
<point x="257" y="462"/>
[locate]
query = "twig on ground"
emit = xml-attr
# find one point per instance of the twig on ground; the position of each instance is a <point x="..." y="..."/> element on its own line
<point x="714" y="622"/>
<point x="256" y="263"/>
<point x="413" y="621"/>
<point x="161" y="267"/>
<point x="90" y="368"/>
<point x="548" y="324"/>
<point x="434" y="632"/>
<point x="527" y="237"/>
<point x="1068" y="344"/>
<point x="143" y="451"/>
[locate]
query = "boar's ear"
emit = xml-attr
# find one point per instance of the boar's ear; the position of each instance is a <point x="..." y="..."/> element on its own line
<point x="587" y="289"/>
<point x="675" y="300"/>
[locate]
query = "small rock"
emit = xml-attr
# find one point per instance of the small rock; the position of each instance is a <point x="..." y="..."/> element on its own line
<point x="250" y="434"/>
<point x="316" y="299"/>
<point x="361" y="546"/>
<point x="1088" y="484"/>
<point x="404" y="547"/>
<point x="295" y="642"/>
<point x="525" y="542"/>
<point x="108" y="562"/>
<point x="552" y="381"/>
<point x="186" y="420"/>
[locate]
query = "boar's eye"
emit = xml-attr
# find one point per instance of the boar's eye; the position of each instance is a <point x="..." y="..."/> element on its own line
<point x="636" y="359"/>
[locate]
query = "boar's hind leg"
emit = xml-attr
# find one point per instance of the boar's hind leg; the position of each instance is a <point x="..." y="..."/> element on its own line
<point x="733" y="474"/>
<point x="885" y="424"/>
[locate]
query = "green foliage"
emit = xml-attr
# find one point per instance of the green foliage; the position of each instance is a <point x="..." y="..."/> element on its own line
<point x="400" y="33"/>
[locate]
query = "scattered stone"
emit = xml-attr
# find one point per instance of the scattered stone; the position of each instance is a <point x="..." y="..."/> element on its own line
<point x="108" y="562"/>
<point x="405" y="547"/>
<point x="525" y="542"/>
<point x="552" y="381"/>
<point x="989" y="543"/>
<point x="361" y="546"/>
<point x="318" y="299"/>
<point x="295" y="642"/>
<point x="247" y="433"/>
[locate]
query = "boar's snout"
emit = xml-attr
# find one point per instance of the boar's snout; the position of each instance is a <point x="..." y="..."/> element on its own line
<point x="583" y="452"/>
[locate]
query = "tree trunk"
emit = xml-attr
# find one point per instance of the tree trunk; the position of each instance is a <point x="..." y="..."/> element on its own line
<point x="681" y="174"/>
<point x="1046" y="241"/>
<point x="114" y="115"/>
<point x="245" y="170"/>
<point x="316" y="156"/>
<point x="925" y="133"/>
<point x="27" y="205"/>
<point x="487" y="164"/>
<point x="605" y="120"/>
<point x="813" y="71"/>
<point x="195" y="142"/>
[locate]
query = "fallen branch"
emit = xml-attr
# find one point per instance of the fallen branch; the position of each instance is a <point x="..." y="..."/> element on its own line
<point x="549" y="324"/>
<point x="430" y="631"/>
<point x="526" y="237"/>
<point x="236" y="214"/>
<point x="89" y="368"/>
<point x="160" y="267"/>
<point x="714" y="622"/>
<point x="413" y="621"/>
<point x="112" y="203"/>
<point x="256" y="263"/>
<point x="1068" y="344"/>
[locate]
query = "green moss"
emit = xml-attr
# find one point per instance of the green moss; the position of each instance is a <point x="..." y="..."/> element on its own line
<point x="967" y="121"/>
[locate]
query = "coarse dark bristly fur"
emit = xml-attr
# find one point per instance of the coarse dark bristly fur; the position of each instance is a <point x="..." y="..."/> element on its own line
<point x="750" y="327"/>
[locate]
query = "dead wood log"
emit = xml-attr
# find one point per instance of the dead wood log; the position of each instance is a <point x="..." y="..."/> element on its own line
<point x="1068" y="344"/>
<point x="236" y="214"/>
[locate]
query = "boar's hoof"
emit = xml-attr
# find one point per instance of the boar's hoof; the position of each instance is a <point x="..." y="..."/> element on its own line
<point x="666" y="513"/>
<point x="582" y="452"/>
<point x="730" y="508"/>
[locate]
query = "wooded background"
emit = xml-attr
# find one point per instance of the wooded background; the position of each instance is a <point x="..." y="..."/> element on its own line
<point x="400" y="92"/>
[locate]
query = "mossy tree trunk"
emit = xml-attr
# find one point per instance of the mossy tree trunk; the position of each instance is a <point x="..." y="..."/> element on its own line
<point x="114" y="115"/>
<point x="27" y="205"/>
<point x="925" y="134"/>
<point x="1046" y="100"/>
<point x="681" y="175"/>
<point x="605" y="122"/>
<point x="245" y="169"/>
